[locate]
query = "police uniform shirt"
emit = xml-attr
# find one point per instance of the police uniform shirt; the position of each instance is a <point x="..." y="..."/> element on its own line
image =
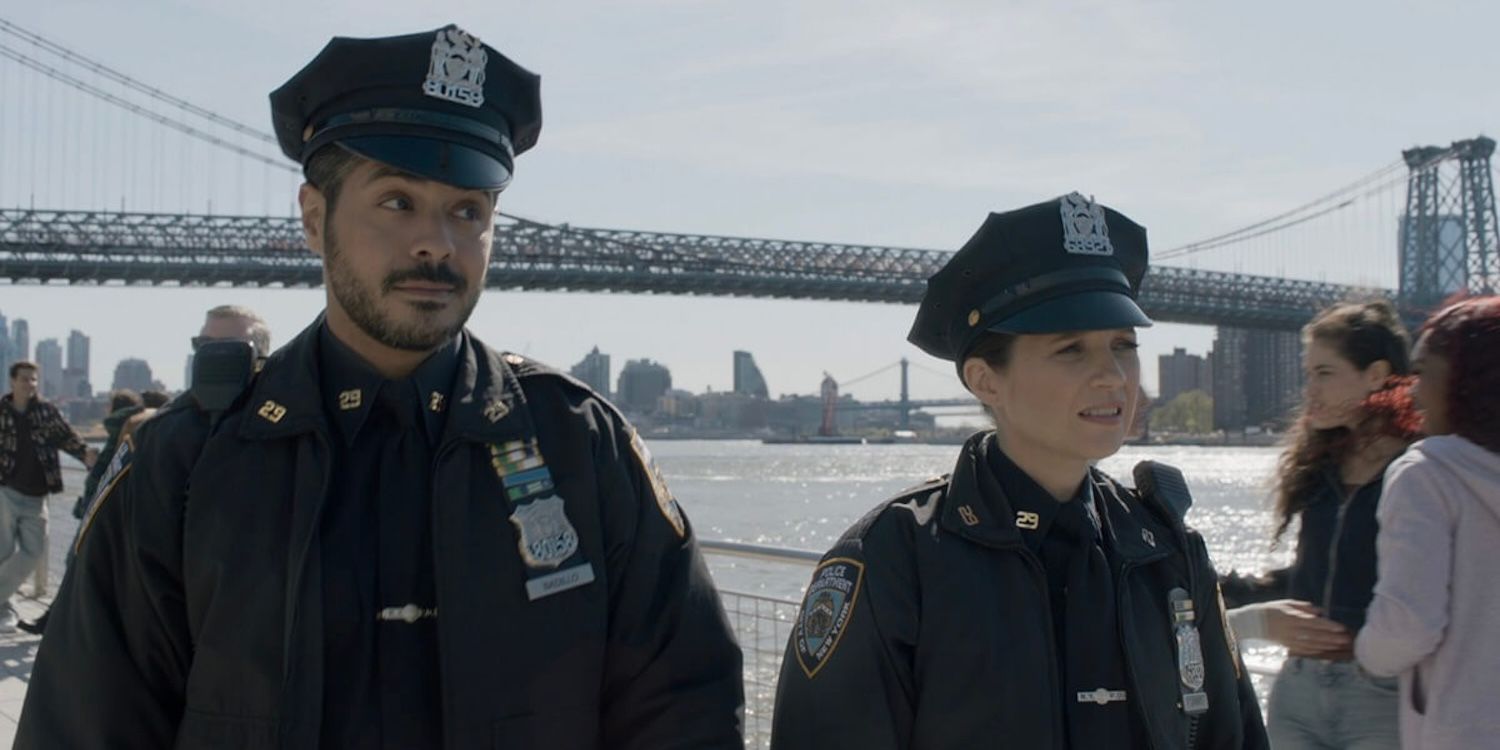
<point x="381" y="688"/>
<point x="1067" y="539"/>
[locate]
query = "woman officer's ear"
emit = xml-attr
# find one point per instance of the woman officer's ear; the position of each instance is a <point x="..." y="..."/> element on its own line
<point x="983" y="381"/>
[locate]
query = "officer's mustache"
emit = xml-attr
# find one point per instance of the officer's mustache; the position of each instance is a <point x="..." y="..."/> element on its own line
<point x="436" y="274"/>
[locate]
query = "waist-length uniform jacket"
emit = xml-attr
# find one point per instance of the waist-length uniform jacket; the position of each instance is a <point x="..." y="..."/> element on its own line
<point x="193" y="616"/>
<point x="947" y="639"/>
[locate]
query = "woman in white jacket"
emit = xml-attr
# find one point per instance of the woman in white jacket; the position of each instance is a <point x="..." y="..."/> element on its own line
<point x="1435" y="618"/>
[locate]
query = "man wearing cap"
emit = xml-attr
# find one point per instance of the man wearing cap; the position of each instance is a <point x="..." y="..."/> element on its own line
<point x="1025" y="600"/>
<point x="396" y="537"/>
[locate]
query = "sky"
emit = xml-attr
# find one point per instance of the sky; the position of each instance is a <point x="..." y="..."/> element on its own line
<point x="873" y="122"/>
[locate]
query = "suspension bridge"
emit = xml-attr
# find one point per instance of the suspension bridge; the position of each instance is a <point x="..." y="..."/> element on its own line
<point x="110" y="180"/>
<point x="78" y="134"/>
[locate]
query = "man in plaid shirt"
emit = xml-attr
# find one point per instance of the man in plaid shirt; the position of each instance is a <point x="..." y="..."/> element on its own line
<point x="32" y="431"/>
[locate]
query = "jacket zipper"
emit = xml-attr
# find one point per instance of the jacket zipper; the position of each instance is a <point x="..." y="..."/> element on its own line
<point x="1135" y="694"/>
<point x="1039" y="577"/>
<point x="1333" y="548"/>
<point x="432" y="518"/>
<point x="294" y="616"/>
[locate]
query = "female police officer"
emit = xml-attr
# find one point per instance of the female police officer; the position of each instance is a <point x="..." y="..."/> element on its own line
<point x="1026" y="600"/>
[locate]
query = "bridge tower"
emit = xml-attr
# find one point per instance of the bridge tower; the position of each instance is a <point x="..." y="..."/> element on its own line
<point x="1450" y="240"/>
<point x="905" y="396"/>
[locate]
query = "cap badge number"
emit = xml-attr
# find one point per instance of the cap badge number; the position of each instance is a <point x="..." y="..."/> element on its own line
<point x="456" y="72"/>
<point x="1084" y="230"/>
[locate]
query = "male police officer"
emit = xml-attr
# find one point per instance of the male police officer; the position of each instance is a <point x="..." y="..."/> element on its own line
<point x="396" y="537"/>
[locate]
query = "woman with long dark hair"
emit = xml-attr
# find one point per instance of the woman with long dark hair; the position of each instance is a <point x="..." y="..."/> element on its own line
<point x="1435" y="619"/>
<point x="1355" y="418"/>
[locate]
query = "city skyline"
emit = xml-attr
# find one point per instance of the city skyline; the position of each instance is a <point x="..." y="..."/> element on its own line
<point x="727" y="383"/>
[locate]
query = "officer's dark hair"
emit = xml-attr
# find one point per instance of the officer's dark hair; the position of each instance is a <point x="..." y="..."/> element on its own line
<point x="331" y="165"/>
<point x="994" y="348"/>
<point x="1362" y="333"/>
<point x="154" y="399"/>
<point x="328" y="168"/>
<point x="25" y="364"/>
<point x="123" y="398"/>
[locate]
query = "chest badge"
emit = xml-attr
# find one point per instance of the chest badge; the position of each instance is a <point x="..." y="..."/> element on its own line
<point x="547" y="537"/>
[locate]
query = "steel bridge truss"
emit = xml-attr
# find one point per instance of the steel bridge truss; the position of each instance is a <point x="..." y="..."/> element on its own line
<point x="70" y="247"/>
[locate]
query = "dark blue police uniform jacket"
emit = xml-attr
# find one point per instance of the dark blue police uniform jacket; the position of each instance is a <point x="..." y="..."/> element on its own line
<point x="927" y="627"/>
<point x="193" y="618"/>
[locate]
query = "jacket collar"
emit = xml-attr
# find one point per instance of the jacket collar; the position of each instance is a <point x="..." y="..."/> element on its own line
<point x="485" y="404"/>
<point x="978" y="509"/>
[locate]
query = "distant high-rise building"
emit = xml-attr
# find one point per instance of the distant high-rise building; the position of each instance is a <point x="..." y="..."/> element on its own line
<point x="642" y="384"/>
<point x="134" y="374"/>
<point x="1274" y="381"/>
<point x="20" y="338"/>
<point x="594" y="370"/>
<point x="49" y="357"/>
<point x="747" y="378"/>
<point x="1257" y="377"/>
<point x="1180" y="372"/>
<point x="7" y="351"/>
<point x="76" y="375"/>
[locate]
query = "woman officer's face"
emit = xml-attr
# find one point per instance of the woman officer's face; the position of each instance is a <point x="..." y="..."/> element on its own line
<point x="1066" y="398"/>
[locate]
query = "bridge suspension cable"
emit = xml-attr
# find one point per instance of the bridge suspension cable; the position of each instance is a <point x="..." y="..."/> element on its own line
<point x="1337" y="200"/>
<point x="868" y="375"/>
<point x="43" y="43"/>
<point x="178" y="125"/>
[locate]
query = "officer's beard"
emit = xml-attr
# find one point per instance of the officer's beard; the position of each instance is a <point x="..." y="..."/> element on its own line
<point x="427" y="331"/>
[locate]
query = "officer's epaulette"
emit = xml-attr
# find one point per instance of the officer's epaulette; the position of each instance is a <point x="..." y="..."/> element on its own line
<point x="917" y="504"/>
<point x="525" y="367"/>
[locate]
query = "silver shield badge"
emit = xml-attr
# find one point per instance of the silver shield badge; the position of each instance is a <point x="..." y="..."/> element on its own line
<point x="456" y="71"/>
<point x="1084" y="230"/>
<point x="547" y="537"/>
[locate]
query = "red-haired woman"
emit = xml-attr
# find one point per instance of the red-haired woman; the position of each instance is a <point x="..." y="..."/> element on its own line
<point x="1355" y="419"/>
<point x="1435" y="619"/>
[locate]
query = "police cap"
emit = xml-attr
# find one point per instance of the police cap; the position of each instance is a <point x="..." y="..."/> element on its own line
<point x="440" y="105"/>
<point x="1065" y="265"/>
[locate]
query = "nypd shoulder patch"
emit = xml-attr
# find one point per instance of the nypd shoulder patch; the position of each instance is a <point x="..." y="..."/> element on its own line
<point x="826" y="609"/>
<point x="665" y="502"/>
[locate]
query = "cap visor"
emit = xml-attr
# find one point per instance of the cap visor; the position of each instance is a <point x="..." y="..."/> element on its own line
<point x="1084" y="311"/>
<point x="437" y="160"/>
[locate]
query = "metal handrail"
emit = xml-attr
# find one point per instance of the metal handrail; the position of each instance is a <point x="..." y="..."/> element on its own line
<point x="760" y="551"/>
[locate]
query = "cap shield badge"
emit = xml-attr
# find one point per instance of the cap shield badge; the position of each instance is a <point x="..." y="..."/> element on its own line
<point x="1084" y="230"/>
<point x="456" y="72"/>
